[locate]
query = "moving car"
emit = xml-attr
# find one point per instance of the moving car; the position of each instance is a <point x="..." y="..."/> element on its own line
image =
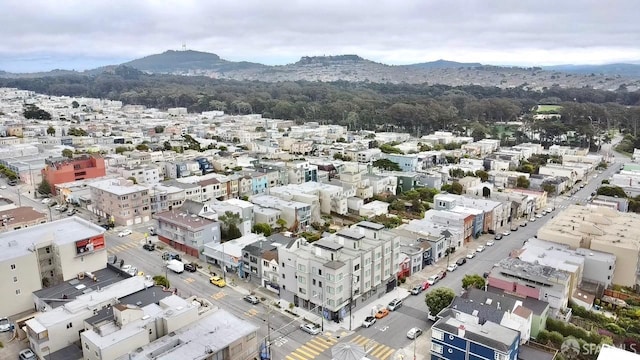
<point x="27" y="354"/>
<point x="461" y="261"/>
<point x="125" y="232"/>
<point x="394" y="305"/>
<point x="217" y="281"/>
<point x="452" y="267"/>
<point x="480" y="248"/>
<point x="416" y="290"/>
<point x="490" y="242"/>
<point x="251" y="299"/>
<point x="368" y="321"/>
<point x="310" y="328"/>
<point x="471" y="255"/>
<point x="149" y="247"/>
<point x="433" y="279"/>
<point x="382" y="313"/>
<point x="414" y="333"/>
<point x="5" y="324"/>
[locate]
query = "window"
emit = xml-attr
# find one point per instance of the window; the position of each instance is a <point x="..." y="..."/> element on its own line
<point x="436" y="348"/>
<point x="302" y="291"/>
<point x="13" y="266"/>
<point x="302" y="268"/>
<point x="69" y="325"/>
<point x="437" y="334"/>
<point x="357" y="267"/>
<point x="302" y="280"/>
<point x="150" y="331"/>
<point x="48" y="250"/>
<point x="18" y="292"/>
<point x="15" y="279"/>
<point x="330" y="289"/>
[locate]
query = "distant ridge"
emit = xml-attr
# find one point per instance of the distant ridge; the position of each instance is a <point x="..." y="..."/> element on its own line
<point x="185" y="61"/>
<point x="631" y="70"/>
<point x="443" y="64"/>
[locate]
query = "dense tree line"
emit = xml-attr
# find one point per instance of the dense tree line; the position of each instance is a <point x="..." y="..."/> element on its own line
<point x="416" y="108"/>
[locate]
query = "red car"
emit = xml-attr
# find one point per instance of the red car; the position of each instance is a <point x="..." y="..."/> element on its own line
<point x="442" y="275"/>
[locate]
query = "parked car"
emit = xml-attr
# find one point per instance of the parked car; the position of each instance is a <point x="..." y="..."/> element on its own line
<point x="5" y="324"/>
<point x="170" y="256"/>
<point x="442" y="274"/>
<point x="125" y="232"/>
<point x="251" y="299"/>
<point x="461" y="261"/>
<point x="310" y="328"/>
<point x="498" y="237"/>
<point x="514" y="228"/>
<point x="368" y="321"/>
<point x="471" y="255"/>
<point x="538" y="216"/>
<point x="524" y="224"/>
<point x="382" y="313"/>
<point x="13" y="182"/>
<point x="105" y="226"/>
<point x="490" y="242"/>
<point x="149" y="247"/>
<point x="414" y="333"/>
<point x="505" y="233"/>
<point x="548" y="210"/>
<point x="433" y="279"/>
<point x="71" y="212"/>
<point x="425" y="285"/>
<point x="27" y="354"/>
<point x="152" y="231"/>
<point x="533" y="219"/>
<point x="485" y="275"/>
<point x="46" y="200"/>
<point x="416" y="290"/>
<point x="190" y="267"/>
<point x="218" y="281"/>
<point x="480" y="248"/>
<point x="3" y="187"/>
<point x="394" y="305"/>
<point x="452" y="267"/>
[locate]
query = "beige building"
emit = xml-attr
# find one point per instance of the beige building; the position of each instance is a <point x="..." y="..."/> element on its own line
<point x="602" y="229"/>
<point x="21" y="217"/>
<point x="44" y="255"/>
<point x="121" y="201"/>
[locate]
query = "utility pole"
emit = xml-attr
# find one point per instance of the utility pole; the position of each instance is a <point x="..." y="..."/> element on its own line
<point x="350" y="301"/>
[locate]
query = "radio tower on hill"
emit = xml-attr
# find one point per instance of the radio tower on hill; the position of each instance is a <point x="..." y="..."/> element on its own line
<point x="184" y="46"/>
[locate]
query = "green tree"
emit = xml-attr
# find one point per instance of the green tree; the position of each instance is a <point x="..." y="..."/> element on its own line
<point x="549" y="188"/>
<point x="522" y="182"/>
<point x="167" y="145"/>
<point x="161" y="281"/>
<point x="439" y="299"/>
<point x="386" y="164"/>
<point x="159" y="129"/>
<point x="44" y="188"/>
<point x="612" y="191"/>
<point x="133" y="179"/>
<point x="475" y="281"/>
<point x="75" y="104"/>
<point x="142" y="147"/>
<point x="229" y="229"/>
<point x="456" y="188"/>
<point x="67" y="153"/>
<point x="282" y="224"/>
<point x="51" y="131"/>
<point x="390" y="149"/>
<point x="121" y="149"/>
<point x="262" y="228"/>
<point x="483" y="175"/>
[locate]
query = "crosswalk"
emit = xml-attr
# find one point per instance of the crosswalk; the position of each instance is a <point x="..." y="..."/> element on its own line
<point x="219" y="295"/>
<point x="373" y="348"/>
<point x="122" y="247"/>
<point x="251" y="313"/>
<point x="189" y="280"/>
<point x="312" y="348"/>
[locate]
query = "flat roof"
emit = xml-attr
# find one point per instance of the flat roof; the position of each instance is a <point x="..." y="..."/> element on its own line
<point x="215" y="332"/>
<point x="370" y="225"/>
<point x="68" y="230"/>
<point x="183" y="219"/>
<point x="114" y="186"/>
<point x="328" y="244"/>
<point x="489" y="334"/>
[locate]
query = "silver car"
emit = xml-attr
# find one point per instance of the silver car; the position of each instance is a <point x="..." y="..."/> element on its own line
<point x="414" y="333"/>
<point x="5" y="324"/>
<point x="310" y="328"/>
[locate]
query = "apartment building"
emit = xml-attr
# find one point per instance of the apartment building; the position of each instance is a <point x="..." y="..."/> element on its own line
<point x="260" y="261"/>
<point x="121" y="201"/>
<point x="348" y="267"/>
<point x="166" y="198"/>
<point x="63" y="170"/>
<point x="459" y="337"/>
<point x="145" y="174"/>
<point x="532" y="280"/>
<point x="301" y="171"/>
<point x="601" y="229"/>
<point x="46" y="254"/>
<point x="185" y="231"/>
<point x="20" y="217"/>
<point x="297" y="215"/>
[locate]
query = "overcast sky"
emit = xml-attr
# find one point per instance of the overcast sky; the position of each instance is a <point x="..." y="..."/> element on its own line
<point x="44" y="34"/>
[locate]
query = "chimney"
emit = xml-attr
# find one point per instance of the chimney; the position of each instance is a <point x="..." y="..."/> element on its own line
<point x="461" y="331"/>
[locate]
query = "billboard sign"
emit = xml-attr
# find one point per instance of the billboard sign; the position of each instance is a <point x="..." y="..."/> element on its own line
<point x="90" y="245"/>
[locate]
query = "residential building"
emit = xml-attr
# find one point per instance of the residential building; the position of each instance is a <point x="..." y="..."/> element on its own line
<point x="228" y="255"/>
<point x="407" y="163"/>
<point x="601" y="229"/>
<point x="461" y="337"/>
<point x="166" y="198"/>
<point x="206" y="338"/>
<point x="20" y="217"/>
<point x="297" y="215"/>
<point x="611" y="352"/>
<point x="348" y="267"/>
<point x="145" y="174"/>
<point x="121" y="201"/>
<point x="63" y="170"/>
<point x="186" y="232"/>
<point x="260" y="261"/>
<point x="46" y="254"/>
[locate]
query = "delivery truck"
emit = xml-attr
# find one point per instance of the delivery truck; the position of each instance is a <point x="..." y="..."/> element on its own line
<point x="176" y="266"/>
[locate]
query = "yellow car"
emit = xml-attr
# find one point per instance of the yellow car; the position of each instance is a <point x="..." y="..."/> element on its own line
<point x="218" y="281"/>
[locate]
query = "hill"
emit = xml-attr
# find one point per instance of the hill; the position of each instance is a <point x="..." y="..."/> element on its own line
<point x="443" y="64"/>
<point x="629" y="70"/>
<point x="189" y="61"/>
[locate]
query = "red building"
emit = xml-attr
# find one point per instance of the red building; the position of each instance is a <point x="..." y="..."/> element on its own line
<point x="63" y="170"/>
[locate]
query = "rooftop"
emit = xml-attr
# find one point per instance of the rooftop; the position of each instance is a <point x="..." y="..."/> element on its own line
<point x="68" y="230"/>
<point x="209" y="335"/>
<point x="531" y="271"/>
<point x="183" y="219"/>
<point x="21" y="214"/>
<point x="150" y="295"/>
<point x="370" y="225"/>
<point x="489" y="334"/>
<point x="118" y="186"/>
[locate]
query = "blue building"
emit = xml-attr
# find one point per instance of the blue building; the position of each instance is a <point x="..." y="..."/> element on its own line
<point x="461" y="338"/>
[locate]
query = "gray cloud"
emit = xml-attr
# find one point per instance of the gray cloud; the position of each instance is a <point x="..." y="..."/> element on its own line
<point x="46" y="33"/>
